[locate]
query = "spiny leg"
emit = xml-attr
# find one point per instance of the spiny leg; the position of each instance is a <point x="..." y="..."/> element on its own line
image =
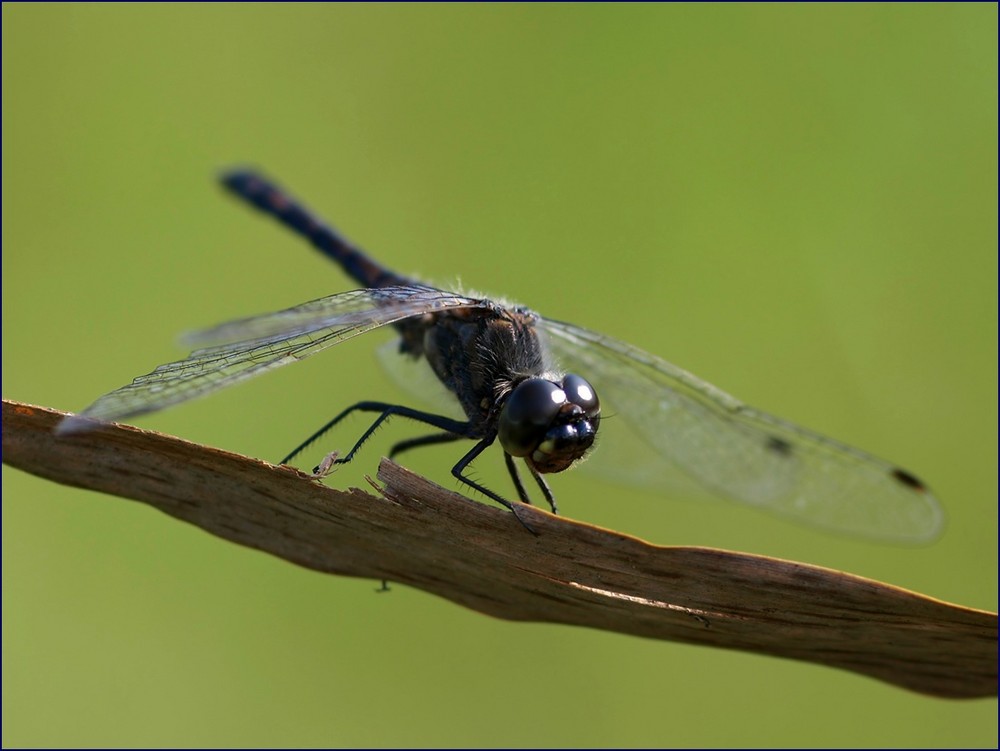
<point x="522" y="493"/>
<point x="454" y="430"/>
<point x="427" y="440"/>
<point x="546" y="490"/>
<point x="516" y="477"/>
<point x="460" y="429"/>
<point x="464" y="462"/>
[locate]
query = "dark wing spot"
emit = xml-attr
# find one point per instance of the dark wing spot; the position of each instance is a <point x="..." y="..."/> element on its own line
<point x="779" y="446"/>
<point x="901" y="475"/>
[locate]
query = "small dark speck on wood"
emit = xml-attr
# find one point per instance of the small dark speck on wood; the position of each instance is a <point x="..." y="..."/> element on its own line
<point x="417" y="533"/>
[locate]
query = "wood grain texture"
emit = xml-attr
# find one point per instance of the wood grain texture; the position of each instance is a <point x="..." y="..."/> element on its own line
<point x="417" y="533"/>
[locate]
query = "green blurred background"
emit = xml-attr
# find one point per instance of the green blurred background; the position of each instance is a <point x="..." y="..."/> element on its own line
<point x="796" y="203"/>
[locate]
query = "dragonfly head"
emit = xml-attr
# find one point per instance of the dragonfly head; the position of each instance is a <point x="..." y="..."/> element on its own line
<point x="550" y="424"/>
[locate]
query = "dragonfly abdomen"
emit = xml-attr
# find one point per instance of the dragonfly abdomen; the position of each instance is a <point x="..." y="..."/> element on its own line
<point x="274" y="201"/>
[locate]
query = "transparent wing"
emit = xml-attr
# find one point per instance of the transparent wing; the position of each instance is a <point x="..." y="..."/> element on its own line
<point x="680" y="422"/>
<point x="414" y="377"/>
<point x="250" y="346"/>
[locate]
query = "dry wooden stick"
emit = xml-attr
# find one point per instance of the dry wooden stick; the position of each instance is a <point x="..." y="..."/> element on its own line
<point x="420" y="534"/>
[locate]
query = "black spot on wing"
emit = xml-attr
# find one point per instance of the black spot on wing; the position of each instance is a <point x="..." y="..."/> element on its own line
<point x="905" y="478"/>
<point x="779" y="446"/>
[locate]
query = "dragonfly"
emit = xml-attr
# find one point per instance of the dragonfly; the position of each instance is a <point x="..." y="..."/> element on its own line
<point x="532" y="384"/>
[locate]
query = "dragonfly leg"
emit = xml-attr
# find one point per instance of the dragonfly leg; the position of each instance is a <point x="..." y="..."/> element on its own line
<point x="427" y="440"/>
<point x="466" y="460"/>
<point x="460" y="429"/>
<point x="546" y="490"/>
<point x="521" y="492"/>
<point x="516" y="477"/>
<point x="454" y="431"/>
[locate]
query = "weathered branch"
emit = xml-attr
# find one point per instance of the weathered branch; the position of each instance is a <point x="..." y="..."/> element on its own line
<point x="420" y="534"/>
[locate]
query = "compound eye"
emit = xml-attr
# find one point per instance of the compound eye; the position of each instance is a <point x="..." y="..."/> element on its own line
<point x="581" y="393"/>
<point x="527" y="415"/>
